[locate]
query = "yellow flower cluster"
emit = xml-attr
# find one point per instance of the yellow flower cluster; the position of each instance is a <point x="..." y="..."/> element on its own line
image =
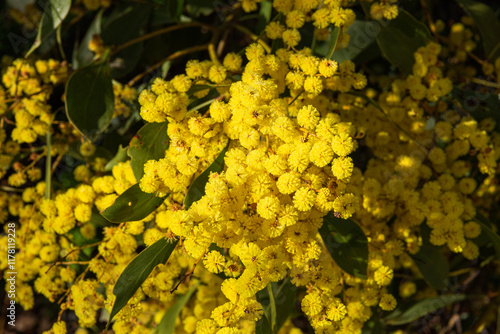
<point x="286" y="166"/>
<point x="34" y="82"/>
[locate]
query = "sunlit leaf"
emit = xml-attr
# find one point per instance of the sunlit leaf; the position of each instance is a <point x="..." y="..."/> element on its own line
<point x="150" y="143"/>
<point x="422" y="308"/>
<point x="137" y="271"/>
<point x="265" y="11"/>
<point x="55" y="11"/>
<point x="132" y="205"/>
<point x="347" y="244"/>
<point x="167" y="323"/>
<point x="89" y="98"/>
<point x="197" y="189"/>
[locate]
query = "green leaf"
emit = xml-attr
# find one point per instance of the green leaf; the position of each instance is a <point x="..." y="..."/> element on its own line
<point x="263" y="326"/>
<point x="362" y="35"/>
<point x="197" y="189"/>
<point x="132" y="205"/>
<point x="125" y="24"/>
<point x="422" y="308"/>
<point x="481" y="102"/>
<point x="167" y="323"/>
<point x="334" y="38"/>
<point x="278" y="301"/>
<point x="399" y="40"/>
<point x="150" y="143"/>
<point x="487" y="23"/>
<point x="54" y="13"/>
<point x="84" y="56"/>
<point x="494" y="237"/>
<point x="120" y="156"/>
<point x="347" y="244"/>
<point x="137" y="271"/>
<point x="89" y="98"/>
<point x="174" y="9"/>
<point x="433" y="265"/>
<point x="265" y="11"/>
<point x="285" y="297"/>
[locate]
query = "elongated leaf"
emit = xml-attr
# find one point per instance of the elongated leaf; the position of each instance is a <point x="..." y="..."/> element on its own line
<point x="362" y="35"/>
<point x="405" y="31"/>
<point x="126" y="24"/>
<point x="487" y="23"/>
<point x="263" y="326"/>
<point x="132" y="205"/>
<point x="422" y="308"/>
<point x="494" y="237"/>
<point x="264" y="15"/>
<point x="120" y="156"/>
<point x="197" y="189"/>
<point x="285" y="297"/>
<point x="480" y="103"/>
<point x="54" y="13"/>
<point x="332" y="44"/>
<point x="433" y="265"/>
<point x="347" y="244"/>
<point x="137" y="271"/>
<point x="89" y="98"/>
<point x="84" y="56"/>
<point x="167" y="323"/>
<point x="278" y="301"/>
<point x="150" y="143"/>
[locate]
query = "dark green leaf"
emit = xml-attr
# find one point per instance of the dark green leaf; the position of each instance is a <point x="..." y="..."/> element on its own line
<point x="197" y="189"/>
<point x="150" y="143"/>
<point x="422" y="308"/>
<point x="84" y="56"/>
<point x="120" y="156"/>
<point x="487" y="23"/>
<point x="494" y="237"/>
<point x="198" y="88"/>
<point x="285" y="297"/>
<point x="137" y="271"/>
<point x="124" y="25"/>
<point x="132" y="205"/>
<point x="480" y="102"/>
<point x="263" y="326"/>
<point x="54" y="13"/>
<point x="332" y="44"/>
<point x="167" y="323"/>
<point x="362" y="35"/>
<point x="89" y="98"/>
<point x="433" y="265"/>
<point x="401" y="38"/>
<point x="278" y="302"/>
<point x="347" y="244"/>
<point x="174" y="9"/>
